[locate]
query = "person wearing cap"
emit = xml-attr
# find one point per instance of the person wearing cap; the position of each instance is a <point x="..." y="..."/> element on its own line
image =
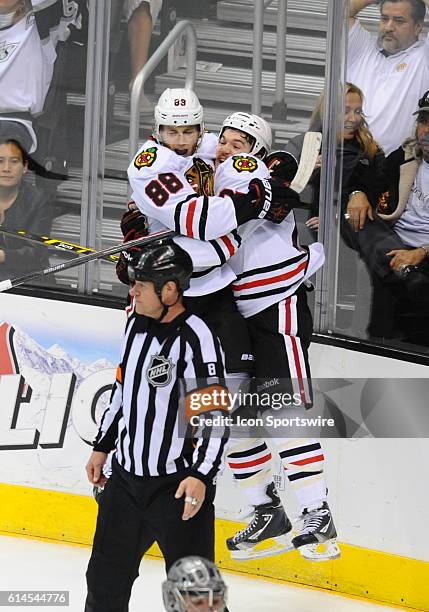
<point x="392" y="69"/>
<point x="395" y="243"/>
<point x="22" y="207"/>
<point x="162" y="485"/>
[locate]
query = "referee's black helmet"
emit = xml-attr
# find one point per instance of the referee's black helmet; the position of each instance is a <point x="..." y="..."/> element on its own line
<point x="160" y="262"/>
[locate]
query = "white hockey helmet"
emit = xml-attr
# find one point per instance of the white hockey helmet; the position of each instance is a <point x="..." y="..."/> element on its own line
<point x="254" y="126"/>
<point x="178" y="107"/>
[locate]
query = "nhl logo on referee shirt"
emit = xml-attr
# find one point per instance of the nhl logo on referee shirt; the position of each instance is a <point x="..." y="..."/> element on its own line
<point x="159" y="371"/>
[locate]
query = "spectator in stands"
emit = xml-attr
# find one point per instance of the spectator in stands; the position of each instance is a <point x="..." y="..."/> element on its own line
<point x="22" y="206"/>
<point x="27" y="55"/>
<point x="362" y="178"/>
<point x="392" y="69"/>
<point x="395" y="244"/>
<point x="141" y="16"/>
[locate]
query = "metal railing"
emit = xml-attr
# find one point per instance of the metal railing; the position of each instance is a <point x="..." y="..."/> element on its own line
<point x="279" y="106"/>
<point x="183" y="27"/>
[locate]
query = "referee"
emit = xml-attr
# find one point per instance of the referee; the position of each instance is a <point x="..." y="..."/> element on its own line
<point x="161" y="488"/>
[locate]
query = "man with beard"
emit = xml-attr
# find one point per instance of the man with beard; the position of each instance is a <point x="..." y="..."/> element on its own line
<point x="395" y="245"/>
<point x="392" y="69"/>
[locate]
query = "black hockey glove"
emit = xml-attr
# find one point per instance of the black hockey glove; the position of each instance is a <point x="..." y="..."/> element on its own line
<point x="267" y="199"/>
<point x="133" y="225"/>
<point x="282" y="166"/>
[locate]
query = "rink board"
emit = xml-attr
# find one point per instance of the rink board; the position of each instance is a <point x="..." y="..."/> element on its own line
<point x="55" y="380"/>
<point x="362" y="572"/>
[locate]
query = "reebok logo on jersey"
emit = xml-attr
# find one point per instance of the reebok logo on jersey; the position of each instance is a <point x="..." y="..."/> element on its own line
<point x="146" y="158"/>
<point x="6" y="50"/>
<point x="242" y="163"/>
<point x="159" y="371"/>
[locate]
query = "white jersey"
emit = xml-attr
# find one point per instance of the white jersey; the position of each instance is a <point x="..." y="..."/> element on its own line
<point x="27" y="57"/>
<point x="165" y="186"/>
<point x="270" y="265"/>
<point x="161" y="191"/>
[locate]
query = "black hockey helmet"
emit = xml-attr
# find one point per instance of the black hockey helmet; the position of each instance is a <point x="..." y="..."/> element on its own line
<point x="160" y="262"/>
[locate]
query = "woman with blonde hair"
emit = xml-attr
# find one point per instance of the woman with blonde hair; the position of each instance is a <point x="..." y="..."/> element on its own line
<point x="362" y="179"/>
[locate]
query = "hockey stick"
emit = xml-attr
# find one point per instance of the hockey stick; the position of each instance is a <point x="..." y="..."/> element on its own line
<point x="309" y="154"/>
<point x="14" y="282"/>
<point x="62" y="245"/>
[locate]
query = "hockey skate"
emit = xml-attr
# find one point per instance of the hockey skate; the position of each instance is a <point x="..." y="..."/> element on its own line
<point x="269" y="522"/>
<point x="316" y="540"/>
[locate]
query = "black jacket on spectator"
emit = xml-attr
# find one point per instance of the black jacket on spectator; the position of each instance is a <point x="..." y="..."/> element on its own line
<point x="31" y="213"/>
<point x="360" y="173"/>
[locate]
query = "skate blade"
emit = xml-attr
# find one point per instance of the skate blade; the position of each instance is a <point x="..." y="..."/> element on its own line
<point x="328" y="551"/>
<point x="282" y="545"/>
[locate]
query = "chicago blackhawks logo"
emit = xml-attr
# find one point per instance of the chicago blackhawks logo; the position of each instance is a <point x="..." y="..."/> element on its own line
<point x="200" y="177"/>
<point x="160" y="370"/>
<point x="146" y="158"/>
<point x="242" y="163"/>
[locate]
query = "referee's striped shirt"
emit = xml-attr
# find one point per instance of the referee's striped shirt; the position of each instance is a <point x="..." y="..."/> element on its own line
<point x="161" y="364"/>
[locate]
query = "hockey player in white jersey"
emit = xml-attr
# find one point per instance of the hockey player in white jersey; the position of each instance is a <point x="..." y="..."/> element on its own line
<point x="271" y="269"/>
<point x="158" y="177"/>
<point x="29" y="33"/>
<point x="171" y="179"/>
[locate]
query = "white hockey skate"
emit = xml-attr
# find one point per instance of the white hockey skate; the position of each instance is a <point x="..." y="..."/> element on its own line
<point x="316" y="540"/>
<point x="266" y="534"/>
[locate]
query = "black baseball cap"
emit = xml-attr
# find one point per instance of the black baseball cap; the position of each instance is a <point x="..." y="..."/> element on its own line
<point x="423" y="103"/>
<point x="13" y="130"/>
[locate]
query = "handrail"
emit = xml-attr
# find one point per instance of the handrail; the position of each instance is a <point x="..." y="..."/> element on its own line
<point x="149" y="67"/>
<point x="258" y="43"/>
<point x="279" y="107"/>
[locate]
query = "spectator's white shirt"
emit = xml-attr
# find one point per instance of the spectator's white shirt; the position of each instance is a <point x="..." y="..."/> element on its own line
<point x="27" y="61"/>
<point x="413" y="226"/>
<point x="392" y="85"/>
<point x="26" y="68"/>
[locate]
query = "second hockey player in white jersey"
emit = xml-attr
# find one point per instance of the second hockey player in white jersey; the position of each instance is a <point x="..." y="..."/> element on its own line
<point x="271" y="269"/>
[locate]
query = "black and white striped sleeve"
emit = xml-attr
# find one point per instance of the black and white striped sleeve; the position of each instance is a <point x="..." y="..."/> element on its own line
<point x="207" y="372"/>
<point x="105" y="439"/>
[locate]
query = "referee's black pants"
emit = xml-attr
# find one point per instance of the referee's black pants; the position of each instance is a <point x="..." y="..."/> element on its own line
<point x="134" y="512"/>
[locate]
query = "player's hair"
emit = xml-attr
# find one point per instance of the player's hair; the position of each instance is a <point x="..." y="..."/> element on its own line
<point x="418" y="8"/>
<point x="11" y="141"/>
<point x="363" y="135"/>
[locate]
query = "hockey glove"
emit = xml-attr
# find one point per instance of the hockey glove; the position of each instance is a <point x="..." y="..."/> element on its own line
<point x="267" y="199"/>
<point x="282" y="166"/>
<point x="133" y="225"/>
